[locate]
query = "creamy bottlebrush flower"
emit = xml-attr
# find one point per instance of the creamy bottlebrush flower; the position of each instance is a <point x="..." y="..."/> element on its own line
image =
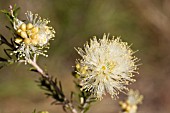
<point x="107" y="65"/>
<point x="130" y="105"/>
<point x="33" y="36"/>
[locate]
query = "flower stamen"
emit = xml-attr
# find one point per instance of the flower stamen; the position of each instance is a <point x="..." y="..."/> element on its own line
<point x="111" y="65"/>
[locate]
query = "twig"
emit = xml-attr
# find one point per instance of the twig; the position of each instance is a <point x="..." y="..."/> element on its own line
<point x="67" y="103"/>
<point x="40" y="71"/>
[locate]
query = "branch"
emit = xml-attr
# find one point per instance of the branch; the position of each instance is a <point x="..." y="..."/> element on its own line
<point x="49" y="84"/>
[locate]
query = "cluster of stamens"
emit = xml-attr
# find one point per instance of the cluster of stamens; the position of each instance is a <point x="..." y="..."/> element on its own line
<point x="81" y="69"/>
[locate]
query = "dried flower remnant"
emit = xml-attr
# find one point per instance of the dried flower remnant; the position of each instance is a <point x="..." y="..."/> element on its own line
<point x="130" y="105"/>
<point x="32" y="36"/>
<point x="107" y="65"/>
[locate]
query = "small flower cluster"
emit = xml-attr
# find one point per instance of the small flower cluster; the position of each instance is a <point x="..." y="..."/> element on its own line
<point x="130" y="105"/>
<point x="32" y="36"/>
<point x="107" y="65"/>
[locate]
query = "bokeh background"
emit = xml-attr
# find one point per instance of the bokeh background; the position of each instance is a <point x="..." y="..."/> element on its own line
<point x="144" y="23"/>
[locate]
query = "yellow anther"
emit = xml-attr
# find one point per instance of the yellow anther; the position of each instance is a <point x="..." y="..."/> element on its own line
<point x="27" y="41"/>
<point x="35" y="30"/>
<point x="103" y="67"/>
<point x="85" y="67"/>
<point x="24" y="34"/>
<point x="23" y="27"/>
<point x="19" y="31"/>
<point x="18" y="40"/>
<point x="111" y="65"/>
<point x="29" y="26"/>
<point x="83" y="71"/>
<point x="77" y="66"/>
<point x="107" y="78"/>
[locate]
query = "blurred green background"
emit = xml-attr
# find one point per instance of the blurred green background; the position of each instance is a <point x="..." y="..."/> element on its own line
<point x="144" y="23"/>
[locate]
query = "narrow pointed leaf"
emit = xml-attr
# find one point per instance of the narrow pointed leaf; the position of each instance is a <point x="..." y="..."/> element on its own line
<point x="3" y="59"/>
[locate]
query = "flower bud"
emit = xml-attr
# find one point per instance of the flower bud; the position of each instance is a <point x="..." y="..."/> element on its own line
<point x="29" y="26"/>
<point x="18" y="40"/>
<point x="128" y="108"/>
<point x="134" y="107"/>
<point x="35" y="30"/>
<point x="34" y="36"/>
<point x="19" y="31"/>
<point x="27" y="41"/>
<point x="23" y="27"/>
<point x="24" y="34"/>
